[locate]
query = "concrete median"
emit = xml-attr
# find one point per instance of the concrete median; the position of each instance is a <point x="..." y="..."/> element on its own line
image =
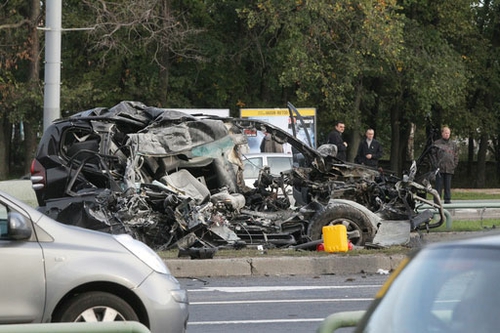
<point x="276" y="266"/>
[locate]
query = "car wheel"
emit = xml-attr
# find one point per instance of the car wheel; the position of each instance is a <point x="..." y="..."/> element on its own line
<point x="95" y="307"/>
<point x="359" y="228"/>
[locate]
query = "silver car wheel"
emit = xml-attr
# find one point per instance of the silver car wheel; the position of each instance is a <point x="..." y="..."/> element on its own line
<point x="99" y="313"/>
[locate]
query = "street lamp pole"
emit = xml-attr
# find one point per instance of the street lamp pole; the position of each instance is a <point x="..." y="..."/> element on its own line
<point x="52" y="91"/>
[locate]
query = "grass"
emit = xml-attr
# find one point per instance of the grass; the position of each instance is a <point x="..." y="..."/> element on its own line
<point x="254" y="253"/>
<point x="470" y="225"/>
<point x="473" y="195"/>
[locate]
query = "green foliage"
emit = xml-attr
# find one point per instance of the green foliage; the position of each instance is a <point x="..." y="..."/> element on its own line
<point x="326" y="49"/>
<point x="388" y="64"/>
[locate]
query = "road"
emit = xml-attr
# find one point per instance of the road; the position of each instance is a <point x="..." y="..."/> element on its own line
<point x="275" y="304"/>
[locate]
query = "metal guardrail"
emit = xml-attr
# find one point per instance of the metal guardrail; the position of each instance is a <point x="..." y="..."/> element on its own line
<point x="97" y="327"/>
<point x="479" y="205"/>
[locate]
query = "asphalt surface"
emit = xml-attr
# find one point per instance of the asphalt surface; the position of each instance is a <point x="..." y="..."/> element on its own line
<point x="286" y="265"/>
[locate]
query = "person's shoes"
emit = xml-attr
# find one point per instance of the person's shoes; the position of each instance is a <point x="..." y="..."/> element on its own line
<point x="447" y="202"/>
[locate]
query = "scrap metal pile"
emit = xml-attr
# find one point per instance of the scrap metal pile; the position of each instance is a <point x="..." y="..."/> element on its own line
<point x="172" y="179"/>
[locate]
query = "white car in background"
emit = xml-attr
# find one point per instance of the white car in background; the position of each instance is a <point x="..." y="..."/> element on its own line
<point x="253" y="163"/>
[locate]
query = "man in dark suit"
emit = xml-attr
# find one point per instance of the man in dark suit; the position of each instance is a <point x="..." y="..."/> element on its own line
<point x="369" y="150"/>
<point x="335" y="137"/>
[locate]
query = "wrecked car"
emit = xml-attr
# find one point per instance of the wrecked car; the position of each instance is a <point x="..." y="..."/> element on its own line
<point x="171" y="179"/>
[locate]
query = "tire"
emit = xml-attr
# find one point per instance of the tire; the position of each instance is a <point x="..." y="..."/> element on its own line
<point x="359" y="228"/>
<point x="95" y="306"/>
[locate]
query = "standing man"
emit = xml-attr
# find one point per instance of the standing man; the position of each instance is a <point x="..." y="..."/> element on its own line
<point x="269" y="145"/>
<point x="446" y="153"/>
<point x="335" y="137"/>
<point x="369" y="150"/>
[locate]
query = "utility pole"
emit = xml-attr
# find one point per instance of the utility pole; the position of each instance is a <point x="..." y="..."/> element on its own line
<point x="52" y="89"/>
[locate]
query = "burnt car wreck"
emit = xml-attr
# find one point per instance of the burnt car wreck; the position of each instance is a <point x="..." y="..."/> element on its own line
<point x="175" y="180"/>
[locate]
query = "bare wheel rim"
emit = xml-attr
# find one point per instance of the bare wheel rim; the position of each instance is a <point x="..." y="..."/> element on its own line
<point x="100" y="314"/>
<point x="354" y="233"/>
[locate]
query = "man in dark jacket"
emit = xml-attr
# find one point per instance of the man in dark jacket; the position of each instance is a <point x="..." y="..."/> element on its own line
<point x="446" y="153"/>
<point x="269" y="145"/>
<point x="369" y="150"/>
<point x="335" y="137"/>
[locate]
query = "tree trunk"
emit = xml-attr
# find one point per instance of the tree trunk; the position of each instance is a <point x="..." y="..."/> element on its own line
<point x="496" y="147"/>
<point x="356" y="124"/>
<point x="481" y="162"/>
<point x="396" y="164"/>
<point x="30" y="139"/>
<point x="411" y="142"/>
<point x="470" y="156"/>
<point x="30" y="144"/>
<point x="4" y="148"/>
<point x="164" y="75"/>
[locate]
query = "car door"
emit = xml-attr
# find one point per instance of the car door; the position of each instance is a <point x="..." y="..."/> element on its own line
<point x="22" y="276"/>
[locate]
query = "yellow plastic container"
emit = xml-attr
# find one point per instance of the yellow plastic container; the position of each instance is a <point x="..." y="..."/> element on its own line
<point x="335" y="238"/>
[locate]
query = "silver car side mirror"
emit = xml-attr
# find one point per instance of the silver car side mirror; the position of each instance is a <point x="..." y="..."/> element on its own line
<point x="18" y="227"/>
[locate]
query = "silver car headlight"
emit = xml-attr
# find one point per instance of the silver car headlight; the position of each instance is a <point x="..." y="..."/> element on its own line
<point x="143" y="252"/>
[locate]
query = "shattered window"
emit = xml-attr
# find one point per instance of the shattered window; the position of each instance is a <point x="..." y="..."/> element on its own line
<point x="78" y="143"/>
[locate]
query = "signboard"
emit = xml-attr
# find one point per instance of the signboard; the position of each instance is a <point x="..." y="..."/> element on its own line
<point x="280" y="117"/>
<point x="210" y="112"/>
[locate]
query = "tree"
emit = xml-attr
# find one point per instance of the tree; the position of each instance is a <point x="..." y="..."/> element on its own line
<point x="428" y="83"/>
<point x="326" y="50"/>
<point x="19" y="84"/>
<point x="146" y="37"/>
<point x="483" y="101"/>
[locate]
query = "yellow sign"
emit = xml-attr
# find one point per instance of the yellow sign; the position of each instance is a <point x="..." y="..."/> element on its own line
<point x="305" y="130"/>
<point x="275" y="112"/>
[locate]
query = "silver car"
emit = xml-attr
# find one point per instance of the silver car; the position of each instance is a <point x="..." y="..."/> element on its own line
<point x="52" y="272"/>
<point x="446" y="287"/>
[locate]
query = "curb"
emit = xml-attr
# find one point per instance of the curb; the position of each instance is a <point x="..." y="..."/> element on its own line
<point x="276" y="266"/>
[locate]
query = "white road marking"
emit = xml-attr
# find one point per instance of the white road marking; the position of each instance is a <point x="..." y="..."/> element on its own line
<point x="316" y="300"/>
<point x="263" y="321"/>
<point x="267" y="289"/>
<point x="277" y="288"/>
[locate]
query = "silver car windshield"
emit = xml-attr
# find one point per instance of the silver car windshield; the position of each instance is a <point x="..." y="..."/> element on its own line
<point x="442" y="290"/>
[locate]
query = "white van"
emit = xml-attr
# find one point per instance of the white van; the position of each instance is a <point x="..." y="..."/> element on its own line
<point x="277" y="162"/>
